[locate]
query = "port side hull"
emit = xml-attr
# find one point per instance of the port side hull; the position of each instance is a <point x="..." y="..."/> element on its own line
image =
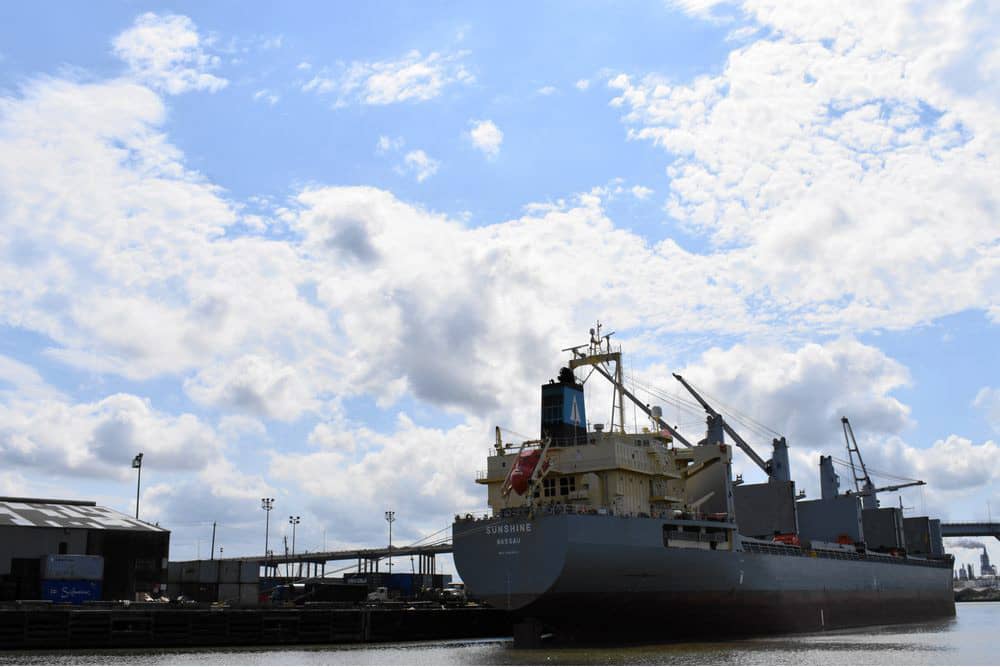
<point x="613" y="574"/>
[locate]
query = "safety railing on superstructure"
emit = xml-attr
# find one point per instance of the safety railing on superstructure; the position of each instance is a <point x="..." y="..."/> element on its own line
<point x="549" y="509"/>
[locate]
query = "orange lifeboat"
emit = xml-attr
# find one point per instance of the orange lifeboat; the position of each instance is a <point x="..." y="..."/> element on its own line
<point x="520" y="473"/>
<point x="789" y="539"/>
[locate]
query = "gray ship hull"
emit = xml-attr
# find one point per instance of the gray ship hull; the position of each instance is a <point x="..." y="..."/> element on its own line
<point x="592" y="574"/>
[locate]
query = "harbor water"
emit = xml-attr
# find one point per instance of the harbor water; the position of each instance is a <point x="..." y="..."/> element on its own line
<point x="967" y="639"/>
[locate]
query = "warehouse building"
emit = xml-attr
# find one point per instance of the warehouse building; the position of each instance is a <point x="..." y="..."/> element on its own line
<point x="33" y="529"/>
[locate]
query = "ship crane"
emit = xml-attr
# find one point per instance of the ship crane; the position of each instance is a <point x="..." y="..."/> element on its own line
<point x="716" y="422"/>
<point x="863" y="484"/>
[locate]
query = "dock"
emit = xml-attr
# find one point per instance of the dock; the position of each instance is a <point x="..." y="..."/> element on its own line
<point x="168" y="626"/>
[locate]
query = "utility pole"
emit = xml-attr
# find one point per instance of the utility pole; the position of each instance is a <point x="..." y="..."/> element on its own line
<point x="137" y="464"/>
<point x="267" y="504"/>
<point x="213" y="542"/>
<point x="288" y="565"/>
<point x="390" y="517"/>
<point x="294" y="520"/>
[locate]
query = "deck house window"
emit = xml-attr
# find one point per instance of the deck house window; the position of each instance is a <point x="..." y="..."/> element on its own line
<point x="567" y="485"/>
<point x="549" y="487"/>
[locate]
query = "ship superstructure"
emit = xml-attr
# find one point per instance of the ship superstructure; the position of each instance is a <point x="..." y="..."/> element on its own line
<point x="599" y="528"/>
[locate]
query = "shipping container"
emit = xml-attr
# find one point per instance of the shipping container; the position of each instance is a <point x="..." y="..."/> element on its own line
<point x="249" y="572"/>
<point x="884" y="528"/>
<point x="249" y="595"/>
<point x="208" y="572"/>
<point x="73" y="592"/>
<point x="190" y="572"/>
<point x="198" y="592"/>
<point x="72" y="567"/>
<point x="229" y="592"/>
<point x="229" y="571"/>
<point x="917" y="531"/>
<point x="402" y="583"/>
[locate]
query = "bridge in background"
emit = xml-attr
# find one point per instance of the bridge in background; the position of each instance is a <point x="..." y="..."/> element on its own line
<point x="970" y="529"/>
<point x="367" y="559"/>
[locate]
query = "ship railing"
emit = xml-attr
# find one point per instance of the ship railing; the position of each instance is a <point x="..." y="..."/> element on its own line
<point x="785" y="550"/>
<point x="549" y="509"/>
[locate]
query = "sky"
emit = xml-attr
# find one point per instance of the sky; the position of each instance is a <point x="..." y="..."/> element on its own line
<point x="317" y="252"/>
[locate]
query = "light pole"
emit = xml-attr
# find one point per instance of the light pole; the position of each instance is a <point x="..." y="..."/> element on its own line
<point x="390" y="516"/>
<point x="267" y="504"/>
<point x="294" y="521"/>
<point x="137" y="464"/>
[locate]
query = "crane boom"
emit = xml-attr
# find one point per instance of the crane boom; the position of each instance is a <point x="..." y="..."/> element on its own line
<point x="595" y="361"/>
<point x="863" y="484"/>
<point x="897" y="487"/>
<point x="740" y="442"/>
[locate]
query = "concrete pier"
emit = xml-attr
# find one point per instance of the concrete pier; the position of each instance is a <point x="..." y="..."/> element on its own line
<point x="172" y="627"/>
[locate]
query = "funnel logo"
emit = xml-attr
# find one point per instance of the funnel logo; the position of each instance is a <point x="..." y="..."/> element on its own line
<point x="574" y="415"/>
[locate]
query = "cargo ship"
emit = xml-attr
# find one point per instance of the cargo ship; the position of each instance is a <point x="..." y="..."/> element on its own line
<point x="596" y="531"/>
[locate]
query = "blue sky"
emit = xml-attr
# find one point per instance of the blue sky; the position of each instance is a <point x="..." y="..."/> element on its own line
<point x="317" y="253"/>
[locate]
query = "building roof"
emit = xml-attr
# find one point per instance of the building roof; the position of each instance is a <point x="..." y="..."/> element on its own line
<point x="47" y="513"/>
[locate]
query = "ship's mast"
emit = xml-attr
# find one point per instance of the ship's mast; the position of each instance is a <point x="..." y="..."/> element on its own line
<point x="599" y="354"/>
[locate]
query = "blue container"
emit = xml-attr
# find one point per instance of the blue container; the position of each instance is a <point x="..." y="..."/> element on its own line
<point x="402" y="582"/>
<point x="71" y="591"/>
<point x="72" y="567"/>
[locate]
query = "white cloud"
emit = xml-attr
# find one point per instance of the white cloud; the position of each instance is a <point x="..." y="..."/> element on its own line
<point x="547" y="90"/>
<point x="425" y="474"/>
<point x="843" y="163"/>
<point x="388" y="144"/>
<point x="803" y="393"/>
<point x="641" y="191"/>
<point x="167" y="52"/>
<point x="256" y="385"/>
<point x="416" y="163"/>
<point x="413" y="77"/>
<point x="988" y="400"/>
<point x="124" y="266"/>
<point x="440" y="340"/>
<point x="237" y="427"/>
<point x="486" y="136"/>
<point x="953" y="464"/>
<point x="267" y="96"/>
<point x="100" y="438"/>
<point x="275" y="42"/>
<point x="706" y="10"/>
<point x="582" y="84"/>
<point x="13" y="483"/>
<point x="23" y="381"/>
<point x="420" y="165"/>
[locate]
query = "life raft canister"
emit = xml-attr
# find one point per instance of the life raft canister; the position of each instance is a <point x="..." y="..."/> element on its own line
<point x="520" y="473"/>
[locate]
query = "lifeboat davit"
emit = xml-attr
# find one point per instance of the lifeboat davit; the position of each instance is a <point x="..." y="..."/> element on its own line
<point x="520" y="473"/>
